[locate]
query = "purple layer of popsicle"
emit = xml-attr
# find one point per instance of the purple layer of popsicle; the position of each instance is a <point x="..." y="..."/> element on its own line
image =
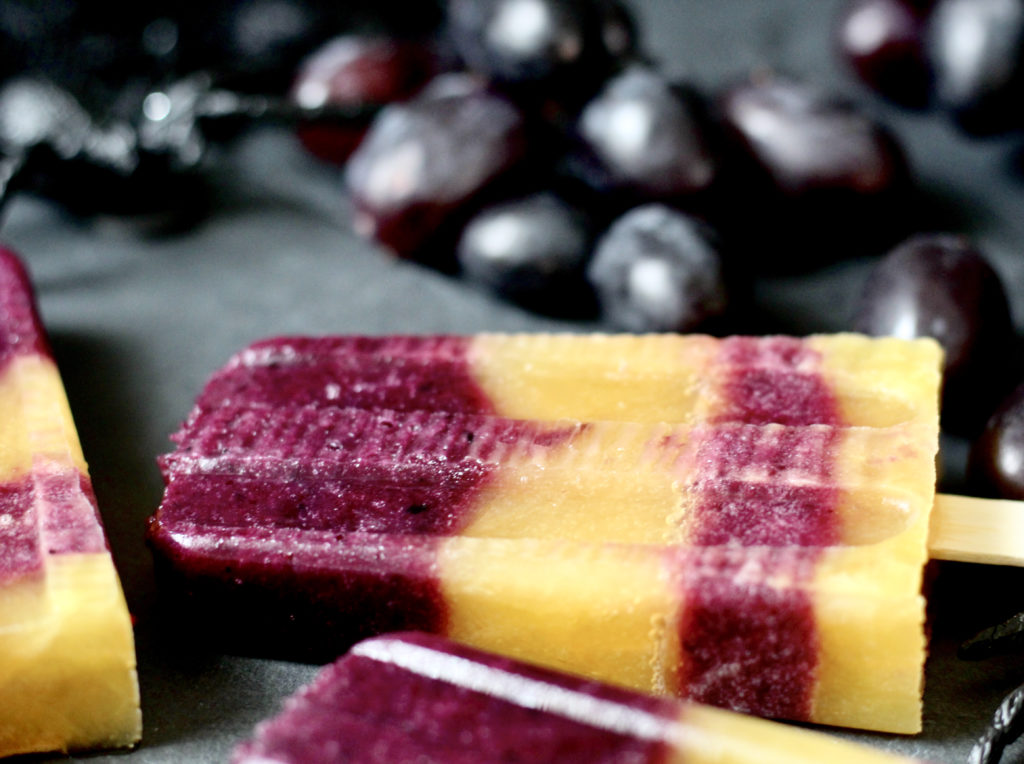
<point x="747" y="645"/>
<point x="398" y="373"/>
<point x="344" y="486"/>
<point x="767" y="638"/>
<point x="20" y="552"/>
<point x="21" y="332"/>
<point x="341" y="470"/>
<point x="794" y="502"/>
<point x="414" y="697"/>
<point x="348" y="470"/>
<point x="51" y="511"/>
<point x="298" y="594"/>
<point x="774" y="380"/>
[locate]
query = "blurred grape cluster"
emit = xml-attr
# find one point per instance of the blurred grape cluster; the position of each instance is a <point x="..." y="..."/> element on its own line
<point x="964" y="58"/>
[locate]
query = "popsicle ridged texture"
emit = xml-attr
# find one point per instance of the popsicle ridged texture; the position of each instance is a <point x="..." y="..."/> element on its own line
<point x="67" y="657"/>
<point x="742" y="522"/>
<point x="418" y="697"/>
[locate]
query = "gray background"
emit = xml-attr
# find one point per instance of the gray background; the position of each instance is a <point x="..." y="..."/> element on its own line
<point x="139" y="321"/>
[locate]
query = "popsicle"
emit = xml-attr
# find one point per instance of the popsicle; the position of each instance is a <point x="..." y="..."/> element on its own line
<point x="415" y="697"/>
<point x="67" y="658"/>
<point x="763" y="552"/>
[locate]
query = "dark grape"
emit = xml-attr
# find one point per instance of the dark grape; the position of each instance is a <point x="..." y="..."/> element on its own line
<point x="519" y="42"/>
<point x="941" y="286"/>
<point x="977" y="50"/>
<point x="807" y="141"/>
<point x="424" y="160"/>
<point x="532" y="251"/>
<point x="996" y="463"/>
<point x="811" y="172"/>
<point x="884" y="43"/>
<point x="358" y="71"/>
<point x="361" y="69"/>
<point x="658" y="270"/>
<point x="644" y="137"/>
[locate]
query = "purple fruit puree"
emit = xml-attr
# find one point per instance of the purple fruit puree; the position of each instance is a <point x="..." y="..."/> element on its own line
<point x="746" y="645"/>
<point x="340" y="470"/>
<point x="252" y="455"/>
<point x="774" y="380"/>
<point x="398" y="373"/>
<point x="52" y="511"/>
<point x="788" y="495"/>
<point x="418" y="698"/>
<point x="19" y="532"/>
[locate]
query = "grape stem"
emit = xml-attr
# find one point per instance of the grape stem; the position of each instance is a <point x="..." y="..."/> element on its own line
<point x="174" y="117"/>
<point x="1006" y="726"/>
<point x="225" y="104"/>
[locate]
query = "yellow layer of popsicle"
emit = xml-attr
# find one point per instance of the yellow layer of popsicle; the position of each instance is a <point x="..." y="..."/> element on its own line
<point x="713" y="736"/>
<point x="67" y="657"/>
<point x="67" y="678"/>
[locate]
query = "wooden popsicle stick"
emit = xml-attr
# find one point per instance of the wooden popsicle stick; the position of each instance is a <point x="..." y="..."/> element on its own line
<point x="969" y="529"/>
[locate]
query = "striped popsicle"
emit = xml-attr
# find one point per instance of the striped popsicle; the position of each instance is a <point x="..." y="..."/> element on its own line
<point x="67" y="659"/>
<point x="752" y="537"/>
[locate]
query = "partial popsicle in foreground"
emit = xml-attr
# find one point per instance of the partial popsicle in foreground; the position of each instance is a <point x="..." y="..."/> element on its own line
<point x="67" y="656"/>
<point x="414" y="697"/>
<point x="742" y="522"/>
